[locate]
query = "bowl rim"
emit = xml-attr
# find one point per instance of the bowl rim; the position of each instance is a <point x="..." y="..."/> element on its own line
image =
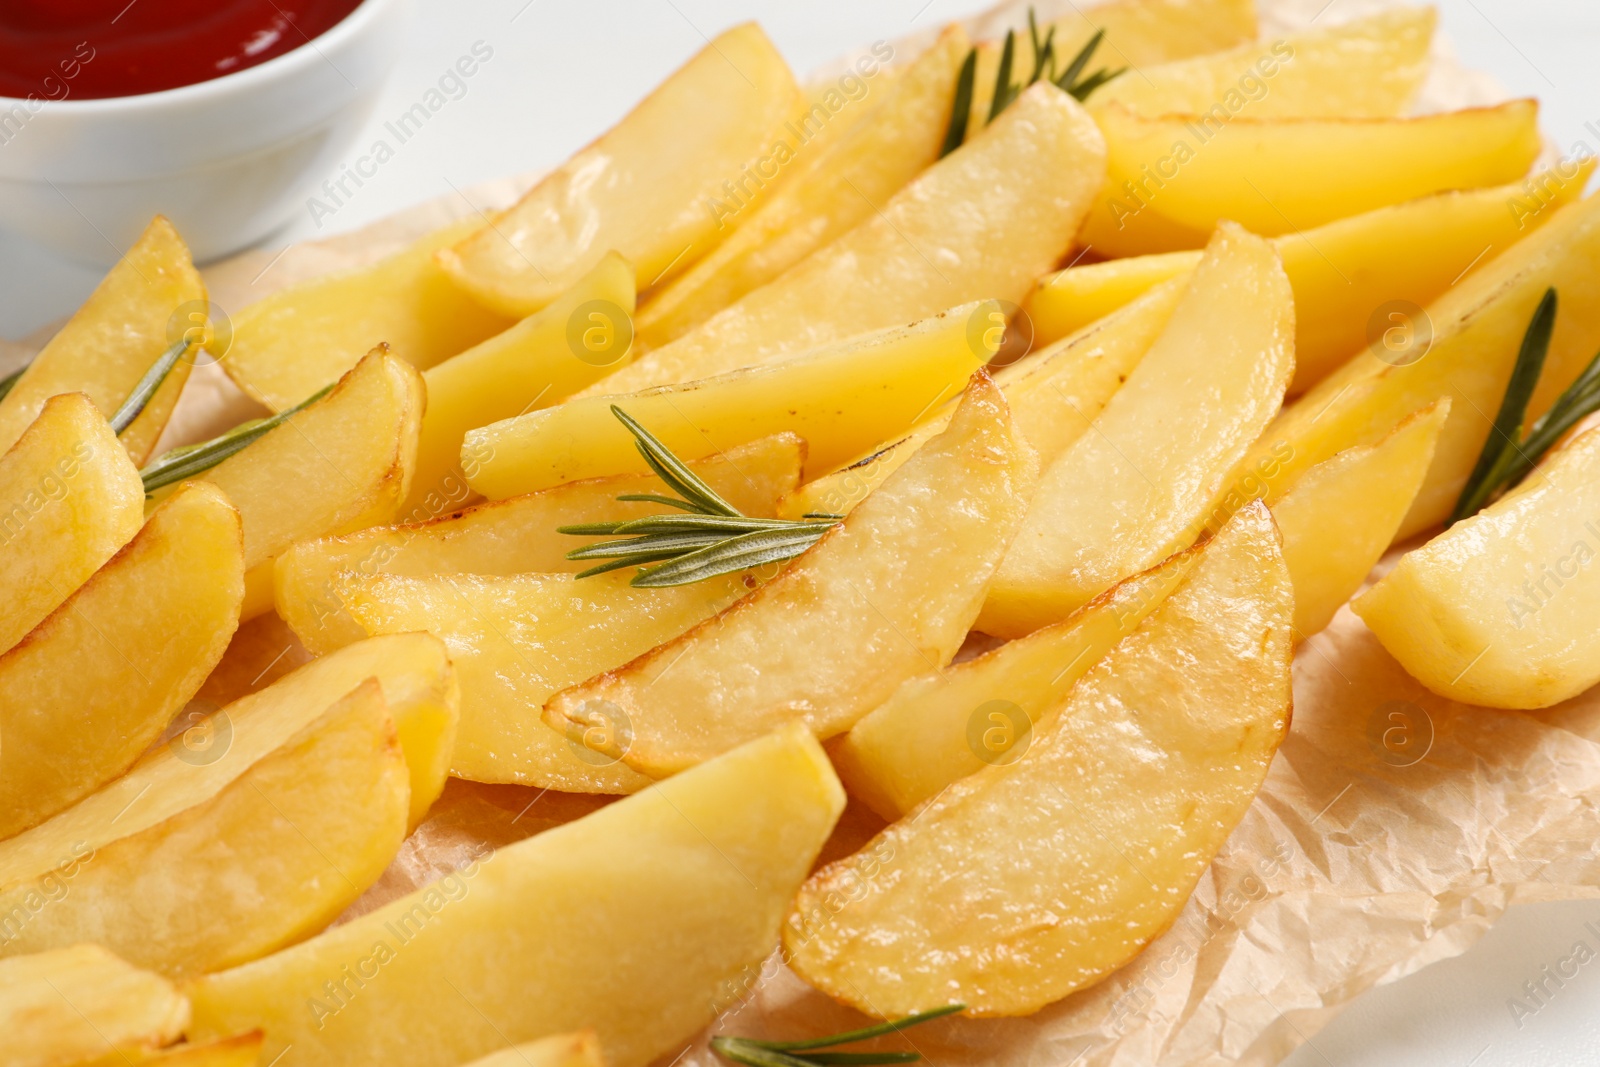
<point x="292" y="62"/>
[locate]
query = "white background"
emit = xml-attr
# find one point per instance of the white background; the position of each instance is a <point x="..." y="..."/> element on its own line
<point x="563" y="70"/>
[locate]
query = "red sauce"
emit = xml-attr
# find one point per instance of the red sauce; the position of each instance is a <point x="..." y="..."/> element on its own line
<point x="83" y="49"/>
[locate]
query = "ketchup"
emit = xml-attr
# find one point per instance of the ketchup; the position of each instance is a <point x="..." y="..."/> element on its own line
<point x="84" y="49"/>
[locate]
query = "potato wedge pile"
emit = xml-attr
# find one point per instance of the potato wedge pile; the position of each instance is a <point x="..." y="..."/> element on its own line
<point x="973" y="436"/>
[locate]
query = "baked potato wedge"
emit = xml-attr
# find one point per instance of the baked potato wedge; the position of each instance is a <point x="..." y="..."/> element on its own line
<point x="114" y="338"/>
<point x="70" y="497"/>
<point x="682" y="888"/>
<point x="1142" y="484"/>
<point x="90" y="687"/>
<point x="841" y="399"/>
<point x="1016" y="886"/>
<point x="641" y="189"/>
<point x="60" y="1008"/>
<point x="290" y="344"/>
<point x="272" y="857"/>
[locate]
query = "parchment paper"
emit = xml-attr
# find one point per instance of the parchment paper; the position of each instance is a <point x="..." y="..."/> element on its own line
<point x="1394" y="828"/>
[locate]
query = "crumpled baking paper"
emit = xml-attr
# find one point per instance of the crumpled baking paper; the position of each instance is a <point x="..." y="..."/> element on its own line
<point x="1394" y="828"/>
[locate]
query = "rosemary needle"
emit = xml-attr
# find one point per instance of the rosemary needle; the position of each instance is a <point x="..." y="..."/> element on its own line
<point x="191" y="460"/>
<point x="755" y="1053"/>
<point x="147" y="387"/>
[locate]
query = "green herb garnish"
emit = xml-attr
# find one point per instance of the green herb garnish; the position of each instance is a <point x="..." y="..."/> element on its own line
<point x="147" y="387"/>
<point x="9" y="382"/>
<point x="801" y="1053"/>
<point x="711" y="538"/>
<point x="1044" y="67"/>
<point x="1507" y="455"/>
<point x="191" y="460"/>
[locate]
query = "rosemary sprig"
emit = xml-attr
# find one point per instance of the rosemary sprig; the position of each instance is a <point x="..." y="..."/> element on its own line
<point x="190" y="460"/>
<point x="755" y="1053"/>
<point x="147" y="387"/>
<point x="1070" y="80"/>
<point x="1507" y="455"/>
<point x="711" y="538"/>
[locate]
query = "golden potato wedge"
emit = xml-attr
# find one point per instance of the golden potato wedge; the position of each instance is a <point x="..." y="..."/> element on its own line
<point x="516" y="640"/>
<point x="60" y="1008"/>
<point x="1276" y="176"/>
<point x="270" y="859"/>
<point x="342" y="464"/>
<point x="1055" y="394"/>
<point x="216" y="752"/>
<point x="243" y="1050"/>
<point x="645" y="186"/>
<point x="1344" y="273"/>
<point x="262" y="651"/>
<point x="888" y="594"/>
<point x="841" y="399"/>
<point x="1499" y="609"/>
<point x="537" y="363"/>
<point x="1462" y="347"/>
<point x="1139" y="34"/>
<point x="825" y="194"/>
<point x="90" y="687"/>
<point x="581" y="1049"/>
<point x="1015" y="886"/>
<point x="112" y="340"/>
<point x="1370" y="67"/>
<point x="69" y="498"/>
<point x="982" y="222"/>
<point x="681" y="888"/>
<point x="309" y="335"/>
<point x="941" y="726"/>
<point x="1141" y="484"/>
<point x="1339" y="517"/>
<point x="514" y="536"/>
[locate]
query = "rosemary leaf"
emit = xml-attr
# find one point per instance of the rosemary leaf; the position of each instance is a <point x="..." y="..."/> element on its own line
<point x="1081" y="91"/>
<point x="9" y="382"/>
<point x="1043" y="51"/>
<point x="1004" y="91"/>
<point x="1069" y="77"/>
<point x="732" y="554"/>
<point x="892" y="1026"/>
<point x="961" y="108"/>
<point x="618" y="564"/>
<point x="738" y="1050"/>
<point x="683" y="523"/>
<point x="665" y="546"/>
<point x="147" y="387"/>
<point x="656" y="498"/>
<point x="1581" y="400"/>
<point x="1500" y="451"/>
<point x="191" y="460"/>
<point x="673" y="470"/>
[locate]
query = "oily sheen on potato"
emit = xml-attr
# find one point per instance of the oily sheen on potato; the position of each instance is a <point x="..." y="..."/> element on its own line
<point x="74" y="1004"/>
<point x="1140" y="486"/>
<point x="69" y="498"/>
<point x="563" y="1050"/>
<point x="1500" y="608"/>
<point x="513" y="536"/>
<point x="1015" y="887"/>
<point x="841" y="399"/>
<point x="303" y="832"/>
<point x="981" y="223"/>
<point x="944" y="725"/>
<point x="90" y="687"/>
<point x="111" y="341"/>
<point x="680" y="889"/>
<point x="889" y="593"/>
<point x="292" y="343"/>
<point x="641" y="188"/>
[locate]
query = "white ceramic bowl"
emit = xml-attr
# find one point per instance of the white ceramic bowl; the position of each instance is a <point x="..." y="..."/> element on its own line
<point x="226" y="160"/>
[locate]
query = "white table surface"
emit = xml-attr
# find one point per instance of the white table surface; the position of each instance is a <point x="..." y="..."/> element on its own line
<point x="563" y="70"/>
